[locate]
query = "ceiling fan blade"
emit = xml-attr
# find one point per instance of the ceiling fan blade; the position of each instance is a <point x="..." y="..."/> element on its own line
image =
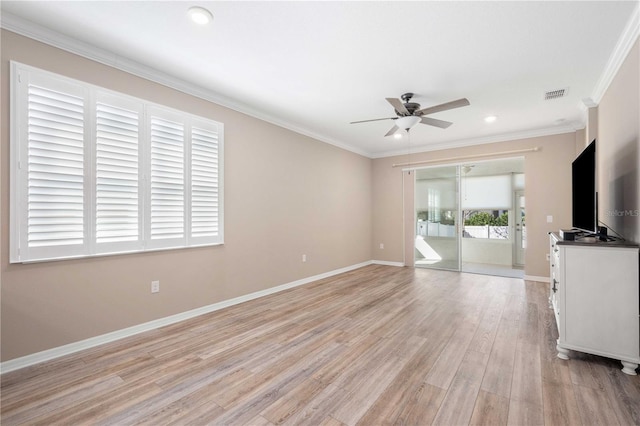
<point x="398" y="106"/>
<point x="375" y="119"/>
<point x="443" y="107"/>
<point x="433" y="122"/>
<point x="392" y="131"/>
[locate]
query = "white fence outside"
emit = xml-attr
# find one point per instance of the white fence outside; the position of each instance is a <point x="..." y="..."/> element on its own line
<point x="486" y="231"/>
<point x="426" y="228"/>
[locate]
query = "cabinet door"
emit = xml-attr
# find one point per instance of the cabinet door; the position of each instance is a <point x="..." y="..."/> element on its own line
<point x="555" y="284"/>
<point x="601" y="300"/>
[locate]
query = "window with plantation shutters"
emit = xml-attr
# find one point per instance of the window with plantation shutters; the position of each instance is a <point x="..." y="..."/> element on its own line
<point x="50" y="167"/>
<point x="205" y="178"/>
<point x="95" y="172"/>
<point x="55" y="168"/>
<point x="117" y="174"/>
<point x="167" y="179"/>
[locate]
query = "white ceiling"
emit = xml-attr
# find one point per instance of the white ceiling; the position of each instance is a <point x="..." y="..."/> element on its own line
<point x="316" y="66"/>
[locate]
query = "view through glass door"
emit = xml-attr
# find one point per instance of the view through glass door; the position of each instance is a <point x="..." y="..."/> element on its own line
<point x="437" y="218"/>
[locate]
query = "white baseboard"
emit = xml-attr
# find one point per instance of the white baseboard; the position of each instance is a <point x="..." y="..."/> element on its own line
<point x="534" y="278"/>
<point x="387" y="263"/>
<point x="49" y="354"/>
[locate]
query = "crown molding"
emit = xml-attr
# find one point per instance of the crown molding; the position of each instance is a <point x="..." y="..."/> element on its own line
<point x="28" y="29"/>
<point x="587" y="103"/>
<point x="505" y="137"/>
<point x="626" y="41"/>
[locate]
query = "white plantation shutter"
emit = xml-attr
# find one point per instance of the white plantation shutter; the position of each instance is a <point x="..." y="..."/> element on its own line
<point x="96" y="172"/>
<point x="56" y="168"/>
<point x="118" y="212"/>
<point x="205" y="184"/>
<point x="50" y="163"/>
<point x="167" y="216"/>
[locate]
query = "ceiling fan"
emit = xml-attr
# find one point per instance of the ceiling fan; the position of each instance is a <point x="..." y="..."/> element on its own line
<point x="409" y="113"/>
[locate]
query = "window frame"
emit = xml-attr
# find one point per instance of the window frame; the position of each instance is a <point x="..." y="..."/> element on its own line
<point x="21" y="76"/>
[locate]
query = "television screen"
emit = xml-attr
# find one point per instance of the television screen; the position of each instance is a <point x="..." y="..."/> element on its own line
<point x="584" y="196"/>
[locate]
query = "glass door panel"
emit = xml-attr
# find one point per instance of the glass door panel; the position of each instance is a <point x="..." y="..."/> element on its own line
<point x="436" y="218"/>
<point x="521" y="229"/>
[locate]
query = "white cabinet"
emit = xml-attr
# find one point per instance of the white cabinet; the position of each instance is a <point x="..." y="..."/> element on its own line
<point x="594" y="292"/>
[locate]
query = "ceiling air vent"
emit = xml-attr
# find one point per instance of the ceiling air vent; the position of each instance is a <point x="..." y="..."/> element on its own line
<point x="555" y="94"/>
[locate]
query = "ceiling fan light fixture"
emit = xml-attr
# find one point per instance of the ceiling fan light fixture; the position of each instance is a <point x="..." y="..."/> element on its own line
<point x="407" y="122"/>
<point x="200" y="15"/>
<point x="409" y="114"/>
<point x="397" y="135"/>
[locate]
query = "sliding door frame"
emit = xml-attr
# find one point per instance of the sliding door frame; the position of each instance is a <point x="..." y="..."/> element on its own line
<point x="410" y="214"/>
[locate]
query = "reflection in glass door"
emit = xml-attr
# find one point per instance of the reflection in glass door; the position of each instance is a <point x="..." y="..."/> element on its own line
<point x="437" y="218"/>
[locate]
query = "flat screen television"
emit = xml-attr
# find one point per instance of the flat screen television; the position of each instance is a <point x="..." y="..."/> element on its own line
<point x="584" y="194"/>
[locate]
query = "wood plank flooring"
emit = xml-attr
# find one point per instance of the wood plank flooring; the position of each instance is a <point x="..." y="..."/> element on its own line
<point x="379" y="345"/>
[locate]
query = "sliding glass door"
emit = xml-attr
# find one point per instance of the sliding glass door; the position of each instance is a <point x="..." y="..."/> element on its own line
<point x="467" y="217"/>
<point x="437" y="218"/>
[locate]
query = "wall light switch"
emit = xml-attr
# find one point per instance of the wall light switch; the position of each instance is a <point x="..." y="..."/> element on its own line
<point x="381" y="246"/>
<point x="549" y="219"/>
<point x="155" y="286"/>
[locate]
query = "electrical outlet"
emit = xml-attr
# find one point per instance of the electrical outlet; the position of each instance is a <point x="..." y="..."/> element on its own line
<point x="155" y="286"/>
<point x="304" y="257"/>
<point x="381" y="246"/>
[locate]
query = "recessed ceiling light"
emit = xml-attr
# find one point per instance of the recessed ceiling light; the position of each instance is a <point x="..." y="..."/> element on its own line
<point x="200" y="15"/>
<point x="490" y="118"/>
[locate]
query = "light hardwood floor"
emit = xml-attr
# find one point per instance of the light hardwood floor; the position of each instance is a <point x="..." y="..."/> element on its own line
<point x="379" y="345"/>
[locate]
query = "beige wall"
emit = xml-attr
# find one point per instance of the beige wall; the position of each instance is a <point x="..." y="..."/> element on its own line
<point x="285" y="195"/>
<point x="581" y="140"/>
<point x="618" y="150"/>
<point x="591" y="131"/>
<point x="547" y="192"/>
